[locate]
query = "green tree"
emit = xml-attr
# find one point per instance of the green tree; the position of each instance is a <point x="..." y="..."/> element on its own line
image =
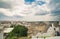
<point x="19" y="31"/>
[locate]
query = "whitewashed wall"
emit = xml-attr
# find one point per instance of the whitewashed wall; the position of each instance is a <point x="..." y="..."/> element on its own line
<point x="56" y="37"/>
<point x="1" y="35"/>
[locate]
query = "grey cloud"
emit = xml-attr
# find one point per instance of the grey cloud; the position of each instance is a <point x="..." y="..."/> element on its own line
<point x="54" y="5"/>
<point x="5" y="4"/>
<point x="42" y="12"/>
<point x="4" y="17"/>
<point x="16" y="16"/>
<point x="55" y="12"/>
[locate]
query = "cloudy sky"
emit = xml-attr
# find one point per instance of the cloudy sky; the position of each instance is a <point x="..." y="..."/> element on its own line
<point x="30" y="10"/>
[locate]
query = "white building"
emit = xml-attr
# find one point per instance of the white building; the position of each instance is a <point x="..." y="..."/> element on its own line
<point x="1" y="35"/>
<point x="1" y="32"/>
<point x="7" y="30"/>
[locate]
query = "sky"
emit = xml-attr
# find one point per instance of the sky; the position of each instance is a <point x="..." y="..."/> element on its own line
<point x="30" y="10"/>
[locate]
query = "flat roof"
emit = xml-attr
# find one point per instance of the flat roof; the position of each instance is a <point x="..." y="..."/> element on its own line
<point x="7" y="30"/>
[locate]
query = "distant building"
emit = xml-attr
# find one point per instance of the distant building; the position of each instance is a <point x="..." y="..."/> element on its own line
<point x="33" y="27"/>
